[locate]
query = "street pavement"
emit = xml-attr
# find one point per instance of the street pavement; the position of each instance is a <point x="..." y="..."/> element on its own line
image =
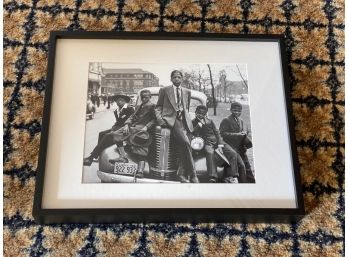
<point x="103" y="119"/>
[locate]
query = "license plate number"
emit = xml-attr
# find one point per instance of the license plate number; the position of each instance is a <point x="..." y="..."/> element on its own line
<point x="125" y="168"/>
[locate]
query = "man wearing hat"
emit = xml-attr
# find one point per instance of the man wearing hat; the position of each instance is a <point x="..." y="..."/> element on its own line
<point x="234" y="133"/>
<point x="135" y="132"/>
<point x="122" y="113"/>
<point x="172" y="111"/>
<point x="205" y="128"/>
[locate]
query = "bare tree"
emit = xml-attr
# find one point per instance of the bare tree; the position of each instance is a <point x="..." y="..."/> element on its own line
<point x="222" y="78"/>
<point x="242" y="77"/>
<point x="188" y="80"/>
<point x="199" y="79"/>
<point x="212" y="89"/>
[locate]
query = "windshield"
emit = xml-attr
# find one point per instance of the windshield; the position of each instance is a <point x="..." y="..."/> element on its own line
<point x="193" y="104"/>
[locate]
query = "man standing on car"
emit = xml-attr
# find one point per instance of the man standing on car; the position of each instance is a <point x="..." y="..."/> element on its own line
<point x="172" y="111"/>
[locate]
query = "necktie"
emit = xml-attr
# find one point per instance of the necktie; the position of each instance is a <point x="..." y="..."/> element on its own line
<point x="178" y="97"/>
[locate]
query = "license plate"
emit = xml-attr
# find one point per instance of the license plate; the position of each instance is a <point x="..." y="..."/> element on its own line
<point x="125" y="168"/>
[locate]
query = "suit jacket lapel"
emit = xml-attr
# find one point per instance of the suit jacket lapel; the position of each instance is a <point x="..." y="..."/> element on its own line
<point x="235" y="124"/>
<point x="184" y="98"/>
<point x="171" y="97"/>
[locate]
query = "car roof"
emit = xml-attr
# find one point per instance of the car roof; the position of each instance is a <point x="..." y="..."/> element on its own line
<point x="194" y="93"/>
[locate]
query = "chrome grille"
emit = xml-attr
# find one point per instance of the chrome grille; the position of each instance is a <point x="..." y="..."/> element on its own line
<point x="163" y="164"/>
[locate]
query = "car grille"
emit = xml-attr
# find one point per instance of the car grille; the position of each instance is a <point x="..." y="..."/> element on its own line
<point x="164" y="163"/>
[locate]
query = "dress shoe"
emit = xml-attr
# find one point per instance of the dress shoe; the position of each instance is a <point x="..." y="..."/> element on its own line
<point x="87" y="161"/>
<point x="183" y="179"/>
<point x="121" y="159"/>
<point x="212" y="180"/>
<point x="140" y="175"/>
<point x="232" y="180"/>
<point x="194" y="179"/>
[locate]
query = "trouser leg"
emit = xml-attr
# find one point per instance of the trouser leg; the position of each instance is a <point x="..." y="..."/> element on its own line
<point x="141" y="167"/>
<point x="184" y="147"/>
<point x="232" y="157"/>
<point x="104" y="143"/>
<point x="249" y="173"/>
<point x="211" y="165"/>
<point x="241" y="170"/>
<point x="103" y="133"/>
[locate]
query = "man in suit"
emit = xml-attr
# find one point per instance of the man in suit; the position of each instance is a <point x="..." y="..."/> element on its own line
<point x="172" y="111"/>
<point x="122" y="113"/>
<point x="234" y="133"/>
<point x="142" y="120"/>
<point x="205" y="128"/>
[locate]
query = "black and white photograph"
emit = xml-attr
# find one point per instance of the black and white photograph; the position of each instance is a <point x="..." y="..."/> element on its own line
<point x="168" y="123"/>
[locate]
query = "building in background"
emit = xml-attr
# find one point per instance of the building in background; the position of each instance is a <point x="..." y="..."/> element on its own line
<point x="126" y="81"/>
<point x="94" y="78"/>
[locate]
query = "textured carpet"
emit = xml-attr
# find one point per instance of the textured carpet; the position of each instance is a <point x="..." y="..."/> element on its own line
<point x="314" y="33"/>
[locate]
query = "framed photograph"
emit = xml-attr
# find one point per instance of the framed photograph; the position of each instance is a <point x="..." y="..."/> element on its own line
<point x="167" y="127"/>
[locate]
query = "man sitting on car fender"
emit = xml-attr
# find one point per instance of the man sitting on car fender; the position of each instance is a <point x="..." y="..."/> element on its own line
<point x="232" y="130"/>
<point x="135" y="132"/>
<point x="122" y="113"/>
<point x="205" y="128"/>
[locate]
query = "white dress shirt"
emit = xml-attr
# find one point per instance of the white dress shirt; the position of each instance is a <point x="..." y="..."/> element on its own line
<point x="118" y="110"/>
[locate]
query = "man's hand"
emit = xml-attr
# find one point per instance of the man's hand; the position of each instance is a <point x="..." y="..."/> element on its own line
<point x="220" y="147"/>
<point x="126" y="129"/>
<point x="144" y="128"/>
<point x="164" y="124"/>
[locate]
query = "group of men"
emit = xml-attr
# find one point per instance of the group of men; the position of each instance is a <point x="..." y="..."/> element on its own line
<point x="172" y="111"/>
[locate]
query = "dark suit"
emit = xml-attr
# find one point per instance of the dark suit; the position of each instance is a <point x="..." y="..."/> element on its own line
<point x="144" y="115"/>
<point x="166" y="108"/>
<point x="230" y="129"/>
<point x="121" y="118"/>
<point x="211" y="136"/>
<point x="105" y="138"/>
<point x="178" y="119"/>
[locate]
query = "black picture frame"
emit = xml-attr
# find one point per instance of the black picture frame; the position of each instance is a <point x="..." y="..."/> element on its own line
<point x="114" y="215"/>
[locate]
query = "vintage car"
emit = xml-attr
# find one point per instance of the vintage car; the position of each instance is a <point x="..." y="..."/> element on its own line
<point x="162" y="164"/>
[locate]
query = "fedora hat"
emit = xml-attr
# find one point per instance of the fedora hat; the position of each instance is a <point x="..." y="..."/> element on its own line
<point x="125" y="97"/>
<point x="141" y="138"/>
<point x="220" y="158"/>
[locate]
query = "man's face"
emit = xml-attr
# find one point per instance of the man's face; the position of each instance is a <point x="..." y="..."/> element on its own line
<point x="236" y="112"/>
<point x="145" y="97"/>
<point x="200" y="114"/>
<point x="176" y="79"/>
<point x="120" y="102"/>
